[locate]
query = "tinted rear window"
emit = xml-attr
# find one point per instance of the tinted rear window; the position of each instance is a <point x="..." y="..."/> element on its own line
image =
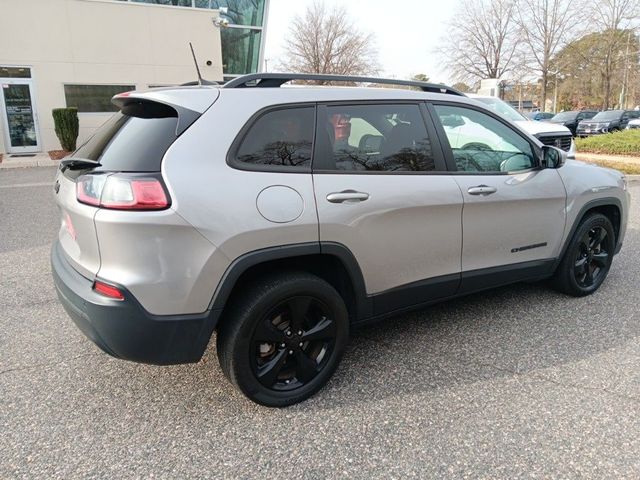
<point x="130" y="144"/>
<point x="280" y="138"/>
<point x="379" y="138"/>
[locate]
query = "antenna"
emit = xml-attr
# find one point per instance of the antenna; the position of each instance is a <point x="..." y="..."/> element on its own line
<point x="196" y="63"/>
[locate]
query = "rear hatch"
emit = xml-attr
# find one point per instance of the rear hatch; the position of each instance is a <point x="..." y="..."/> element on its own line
<point x="119" y="166"/>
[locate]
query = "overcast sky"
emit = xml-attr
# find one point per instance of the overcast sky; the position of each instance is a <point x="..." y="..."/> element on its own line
<point x="407" y="31"/>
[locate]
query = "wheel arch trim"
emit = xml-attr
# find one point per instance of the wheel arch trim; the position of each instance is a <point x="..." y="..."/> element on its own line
<point x="598" y="202"/>
<point x="254" y="258"/>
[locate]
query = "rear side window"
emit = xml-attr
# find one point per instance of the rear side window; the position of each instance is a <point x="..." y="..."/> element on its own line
<point x="134" y="142"/>
<point x="281" y="138"/>
<point x="379" y="138"/>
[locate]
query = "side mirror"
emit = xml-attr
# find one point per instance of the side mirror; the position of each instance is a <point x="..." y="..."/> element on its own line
<point x="553" y="157"/>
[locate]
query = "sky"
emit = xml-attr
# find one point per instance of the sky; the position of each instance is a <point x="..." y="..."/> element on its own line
<point x="406" y="31"/>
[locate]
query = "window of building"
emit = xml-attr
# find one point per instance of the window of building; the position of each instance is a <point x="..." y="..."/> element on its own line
<point x="239" y="12"/>
<point x="15" y="72"/>
<point x="391" y="138"/>
<point x="480" y="143"/>
<point x="240" y="50"/>
<point x="281" y="138"/>
<point x="175" y="3"/>
<point x="94" y="98"/>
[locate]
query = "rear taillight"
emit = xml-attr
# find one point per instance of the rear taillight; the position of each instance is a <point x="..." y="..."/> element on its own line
<point x="121" y="191"/>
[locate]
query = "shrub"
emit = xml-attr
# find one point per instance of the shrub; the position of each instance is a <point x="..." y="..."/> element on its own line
<point x="66" y="127"/>
<point x="626" y="142"/>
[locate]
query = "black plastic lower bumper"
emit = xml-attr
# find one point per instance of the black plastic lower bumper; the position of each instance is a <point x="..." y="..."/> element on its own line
<point x="123" y="328"/>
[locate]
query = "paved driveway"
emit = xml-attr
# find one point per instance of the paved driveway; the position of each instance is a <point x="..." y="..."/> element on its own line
<point x="517" y="382"/>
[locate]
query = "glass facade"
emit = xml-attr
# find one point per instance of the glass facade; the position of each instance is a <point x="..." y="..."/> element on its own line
<point x="239" y="12"/>
<point x="241" y="39"/>
<point x="240" y="50"/>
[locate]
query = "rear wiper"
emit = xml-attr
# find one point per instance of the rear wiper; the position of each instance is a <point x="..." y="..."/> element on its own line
<point x="72" y="163"/>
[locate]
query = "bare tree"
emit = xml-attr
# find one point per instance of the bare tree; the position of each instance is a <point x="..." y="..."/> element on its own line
<point x="613" y="17"/>
<point x="327" y="41"/>
<point x="546" y="26"/>
<point x="481" y="40"/>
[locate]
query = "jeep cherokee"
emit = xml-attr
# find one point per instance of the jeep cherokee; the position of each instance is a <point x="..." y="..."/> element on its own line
<point x="283" y="217"/>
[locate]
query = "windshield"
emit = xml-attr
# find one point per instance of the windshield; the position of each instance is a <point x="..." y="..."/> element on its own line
<point x="502" y="108"/>
<point x="564" y="116"/>
<point x="610" y="115"/>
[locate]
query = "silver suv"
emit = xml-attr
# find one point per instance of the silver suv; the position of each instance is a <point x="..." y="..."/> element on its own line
<point x="283" y="217"/>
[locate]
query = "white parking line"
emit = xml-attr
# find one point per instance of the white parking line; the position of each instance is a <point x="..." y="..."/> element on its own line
<point x="20" y="185"/>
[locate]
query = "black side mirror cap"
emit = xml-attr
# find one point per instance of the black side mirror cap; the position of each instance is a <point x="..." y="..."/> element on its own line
<point x="552" y="157"/>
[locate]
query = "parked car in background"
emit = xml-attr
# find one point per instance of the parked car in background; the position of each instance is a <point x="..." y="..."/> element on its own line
<point x="606" y="122"/>
<point x="571" y="118"/>
<point x="538" y="116"/>
<point x="556" y="135"/>
<point x="633" y="124"/>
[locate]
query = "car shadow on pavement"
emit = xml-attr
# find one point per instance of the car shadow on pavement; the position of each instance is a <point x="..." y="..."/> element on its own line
<point x="504" y="332"/>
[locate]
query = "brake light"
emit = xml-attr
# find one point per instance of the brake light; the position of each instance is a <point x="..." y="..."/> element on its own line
<point x="120" y="191"/>
<point x="107" y="290"/>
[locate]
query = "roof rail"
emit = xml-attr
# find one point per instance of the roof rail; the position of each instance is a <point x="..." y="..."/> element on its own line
<point x="278" y="79"/>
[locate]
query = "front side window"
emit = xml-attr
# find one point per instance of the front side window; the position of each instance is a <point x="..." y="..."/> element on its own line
<point x="480" y="143"/>
<point x="375" y="138"/>
<point x="280" y="138"/>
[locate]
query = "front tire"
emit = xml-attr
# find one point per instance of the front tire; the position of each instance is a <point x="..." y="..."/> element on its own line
<point x="588" y="258"/>
<point x="283" y="338"/>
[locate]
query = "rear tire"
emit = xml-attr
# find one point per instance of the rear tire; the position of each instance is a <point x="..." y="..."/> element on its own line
<point x="588" y="257"/>
<point x="283" y="337"/>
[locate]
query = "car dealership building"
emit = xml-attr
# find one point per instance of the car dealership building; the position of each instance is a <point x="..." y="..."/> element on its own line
<point x="79" y="53"/>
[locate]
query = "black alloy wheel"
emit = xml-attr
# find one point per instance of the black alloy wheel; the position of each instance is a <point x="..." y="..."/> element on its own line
<point x="292" y="343"/>
<point x="281" y="339"/>
<point x="592" y="257"/>
<point x="588" y="257"/>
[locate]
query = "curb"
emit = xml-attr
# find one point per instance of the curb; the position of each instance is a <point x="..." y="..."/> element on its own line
<point x="29" y="162"/>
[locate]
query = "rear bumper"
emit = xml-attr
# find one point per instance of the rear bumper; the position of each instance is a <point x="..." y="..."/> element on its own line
<point x="124" y="329"/>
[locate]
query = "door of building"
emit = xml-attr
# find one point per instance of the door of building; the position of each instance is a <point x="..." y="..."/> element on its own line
<point x="17" y="110"/>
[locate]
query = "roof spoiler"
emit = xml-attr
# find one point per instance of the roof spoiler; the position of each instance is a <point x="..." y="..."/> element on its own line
<point x="147" y="108"/>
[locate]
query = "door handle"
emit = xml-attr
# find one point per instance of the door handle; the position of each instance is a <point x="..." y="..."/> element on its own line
<point x="347" y="196"/>
<point x="482" y="190"/>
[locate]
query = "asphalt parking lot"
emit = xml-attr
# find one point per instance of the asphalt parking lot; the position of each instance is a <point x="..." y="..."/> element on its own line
<point x="517" y="382"/>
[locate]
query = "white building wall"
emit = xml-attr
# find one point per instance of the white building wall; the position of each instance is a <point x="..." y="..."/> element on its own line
<point x="103" y="42"/>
